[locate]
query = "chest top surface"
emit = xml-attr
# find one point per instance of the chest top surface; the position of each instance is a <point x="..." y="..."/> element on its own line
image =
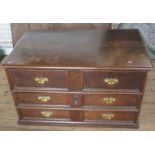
<point x="80" y="49"/>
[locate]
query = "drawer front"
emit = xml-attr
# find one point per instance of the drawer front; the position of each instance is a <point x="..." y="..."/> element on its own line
<point x="110" y="115"/>
<point x="44" y="114"/>
<point x="113" y="80"/>
<point x="111" y="99"/>
<point x="39" y="78"/>
<point x="42" y="98"/>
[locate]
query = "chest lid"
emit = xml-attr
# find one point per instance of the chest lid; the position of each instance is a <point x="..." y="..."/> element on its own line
<point x="80" y="49"/>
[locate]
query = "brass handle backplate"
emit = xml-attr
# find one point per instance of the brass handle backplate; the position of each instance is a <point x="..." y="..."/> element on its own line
<point x="43" y="98"/>
<point x="41" y="80"/>
<point x="109" y="100"/>
<point x="46" y="113"/>
<point x="107" y="116"/>
<point x="111" y="81"/>
<point x="76" y="100"/>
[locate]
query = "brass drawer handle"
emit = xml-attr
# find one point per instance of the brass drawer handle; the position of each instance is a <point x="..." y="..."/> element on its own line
<point x="41" y="80"/>
<point x="109" y="100"/>
<point x="111" y="81"/>
<point x="43" y="98"/>
<point x="107" y="116"/>
<point x="46" y="113"/>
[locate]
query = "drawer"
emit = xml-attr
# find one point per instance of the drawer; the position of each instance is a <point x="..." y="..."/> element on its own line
<point x="111" y="99"/>
<point x="42" y="99"/>
<point x="113" y="80"/>
<point x="56" y="79"/>
<point x="44" y="114"/>
<point x="110" y="115"/>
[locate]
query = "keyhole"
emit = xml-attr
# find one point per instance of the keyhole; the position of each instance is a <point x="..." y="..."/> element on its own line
<point x="76" y="100"/>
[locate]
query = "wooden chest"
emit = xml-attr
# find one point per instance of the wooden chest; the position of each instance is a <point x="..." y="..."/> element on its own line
<point x="78" y="77"/>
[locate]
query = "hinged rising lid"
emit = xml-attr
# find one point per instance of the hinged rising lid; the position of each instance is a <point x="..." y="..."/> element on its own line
<point x="80" y="49"/>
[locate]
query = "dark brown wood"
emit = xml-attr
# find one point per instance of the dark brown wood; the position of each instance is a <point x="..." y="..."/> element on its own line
<point x="37" y="114"/>
<point x="114" y="124"/>
<point x="71" y="26"/>
<point x="119" y="99"/>
<point x="18" y="29"/>
<point x="79" y="49"/>
<point x="40" y="26"/>
<point x="76" y="115"/>
<point x="98" y="115"/>
<point x="75" y="80"/>
<point x="76" y="70"/>
<point x="42" y="99"/>
<point x="126" y="80"/>
<point x="26" y="78"/>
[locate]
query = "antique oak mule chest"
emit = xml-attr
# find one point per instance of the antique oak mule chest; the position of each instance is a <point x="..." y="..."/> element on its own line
<point x="78" y="77"/>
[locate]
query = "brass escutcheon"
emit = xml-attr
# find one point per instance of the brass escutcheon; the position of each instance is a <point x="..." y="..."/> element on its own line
<point x="76" y="100"/>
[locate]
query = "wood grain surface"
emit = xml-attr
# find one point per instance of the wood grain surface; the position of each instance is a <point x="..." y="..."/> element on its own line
<point x="80" y="49"/>
<point x="18" y="29"/>
<point x="8" y="115"/>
